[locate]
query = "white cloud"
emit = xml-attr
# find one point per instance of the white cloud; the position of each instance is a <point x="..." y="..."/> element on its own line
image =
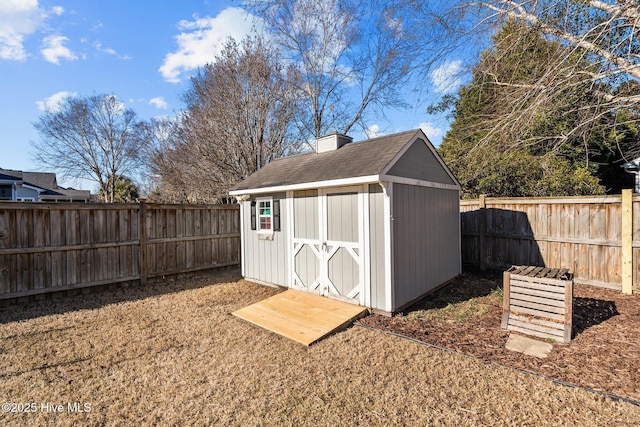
<point x="159" y="102"/>
<point x="373" y="131"/>
<point x="18" y="19"/>
<point x="53" y="102"/>
<point x="107" y="50"/>
<point x="53" y="49"/>
<point x="202" y="39"/>
<point x="446" y="78"/>
<point x="430" y="130"/>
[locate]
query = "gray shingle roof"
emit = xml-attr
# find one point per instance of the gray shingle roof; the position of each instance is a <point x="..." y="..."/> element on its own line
<point x="10" y="175"/>
<point x="45" y="181"/>
<point x="356" y="159"/>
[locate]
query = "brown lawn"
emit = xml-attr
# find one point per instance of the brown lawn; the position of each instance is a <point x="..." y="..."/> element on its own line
<point x="171" y="354"/>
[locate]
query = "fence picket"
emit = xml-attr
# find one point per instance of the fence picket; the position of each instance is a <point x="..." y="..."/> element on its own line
<point x="47" y="247"/>
<point x="584" y="234"/>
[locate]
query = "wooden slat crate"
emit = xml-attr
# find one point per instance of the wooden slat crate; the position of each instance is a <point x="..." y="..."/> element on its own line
<point x="538" y="302"/>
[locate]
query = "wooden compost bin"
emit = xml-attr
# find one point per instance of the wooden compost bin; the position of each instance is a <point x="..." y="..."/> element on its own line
<point x="539" y="302"/>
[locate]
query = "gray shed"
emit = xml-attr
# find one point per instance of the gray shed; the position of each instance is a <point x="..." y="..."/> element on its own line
<point x="375" y="223"/>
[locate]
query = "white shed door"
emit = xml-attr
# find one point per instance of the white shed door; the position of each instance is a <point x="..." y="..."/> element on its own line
<point x="327" y="247"/>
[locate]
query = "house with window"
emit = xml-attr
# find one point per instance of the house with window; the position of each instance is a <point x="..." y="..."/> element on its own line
<point x="374" y="223"/>
<point x="19" y="186"/>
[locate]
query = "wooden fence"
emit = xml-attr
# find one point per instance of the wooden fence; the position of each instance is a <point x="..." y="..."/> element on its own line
<point x="54" y="247"/>
<point x="597" y="238"/>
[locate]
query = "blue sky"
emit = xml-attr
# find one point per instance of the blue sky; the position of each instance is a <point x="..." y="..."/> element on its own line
<point x="141" y="51"/>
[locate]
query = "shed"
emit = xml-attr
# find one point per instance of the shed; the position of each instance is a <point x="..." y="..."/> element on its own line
<point x="375" y="223"/>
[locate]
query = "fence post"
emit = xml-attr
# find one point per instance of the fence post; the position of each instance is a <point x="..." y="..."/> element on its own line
<point x="627" y="242"/>
<point x="142" y="234"/>
<point x="482" y="243"/>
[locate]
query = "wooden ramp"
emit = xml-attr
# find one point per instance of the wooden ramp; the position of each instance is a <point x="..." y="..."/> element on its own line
<point x="301" y="316"/>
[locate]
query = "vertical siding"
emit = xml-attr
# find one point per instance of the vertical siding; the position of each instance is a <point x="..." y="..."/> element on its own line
<point x="426" y="235"/>
<point x="266" y="260"/>
<point x="418" y="162"/>
<point x="376" y="243"/>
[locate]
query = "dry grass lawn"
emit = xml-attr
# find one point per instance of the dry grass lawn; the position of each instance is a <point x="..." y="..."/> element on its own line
<point x="172" y="354"/>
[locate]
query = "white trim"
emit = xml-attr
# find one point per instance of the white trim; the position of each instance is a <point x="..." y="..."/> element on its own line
<point x="366" y="244"/>
<point x="289" y="240"/>
<point x="419" y="135"/>
<point x="243" y="238"/>
<point x="310" y="185"/>
<point x="361" y="247"/>
<point x="418" y="182"/>
<point x="258" y="229"/>
<point x="31" y="187"/>
<point x="387" y="189"/>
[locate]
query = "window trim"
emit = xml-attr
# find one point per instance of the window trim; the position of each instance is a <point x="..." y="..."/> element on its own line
<point x="259" y="228"/>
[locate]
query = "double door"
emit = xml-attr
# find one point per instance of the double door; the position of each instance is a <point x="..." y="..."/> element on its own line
<point x="327" y="253"/>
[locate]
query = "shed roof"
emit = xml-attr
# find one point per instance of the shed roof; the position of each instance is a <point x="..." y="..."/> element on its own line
<point x="358" y="159"/>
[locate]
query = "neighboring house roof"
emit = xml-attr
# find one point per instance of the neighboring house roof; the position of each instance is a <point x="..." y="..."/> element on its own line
<point x="10" y="175"/>
<point x="45" y="182"/>
<point x="357" y="159"/>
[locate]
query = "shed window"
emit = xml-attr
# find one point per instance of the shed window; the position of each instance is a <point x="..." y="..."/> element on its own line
<point x="265" y="215"/>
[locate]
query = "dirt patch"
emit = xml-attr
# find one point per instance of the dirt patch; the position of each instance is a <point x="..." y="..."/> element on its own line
<point x="604" y="354"/>
<point x="172" y="354"/>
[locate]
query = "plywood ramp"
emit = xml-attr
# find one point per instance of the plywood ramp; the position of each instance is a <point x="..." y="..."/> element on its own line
<point x="301" y="316"/>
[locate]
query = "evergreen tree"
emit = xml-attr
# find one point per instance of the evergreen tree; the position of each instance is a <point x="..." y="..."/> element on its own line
<point x="540" y="152"/>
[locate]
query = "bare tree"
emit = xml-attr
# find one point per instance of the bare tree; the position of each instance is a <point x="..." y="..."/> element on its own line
<point x="352" y="56"/>
<point x="237" y="118"/>
<point x="599" y="55"/>
<point x="94" y="138"/>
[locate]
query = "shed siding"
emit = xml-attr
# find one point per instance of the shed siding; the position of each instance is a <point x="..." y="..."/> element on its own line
<point x="426" y="234"/>
<point x="266" y="260"/>
<point x="376" y="243"/>
<point x="418" y="162"/>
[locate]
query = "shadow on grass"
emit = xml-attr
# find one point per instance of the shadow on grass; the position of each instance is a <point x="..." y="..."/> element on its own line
<point x="472" y="283"/>
<point x="588" y="312"/>
<point x="92" y="298"/>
